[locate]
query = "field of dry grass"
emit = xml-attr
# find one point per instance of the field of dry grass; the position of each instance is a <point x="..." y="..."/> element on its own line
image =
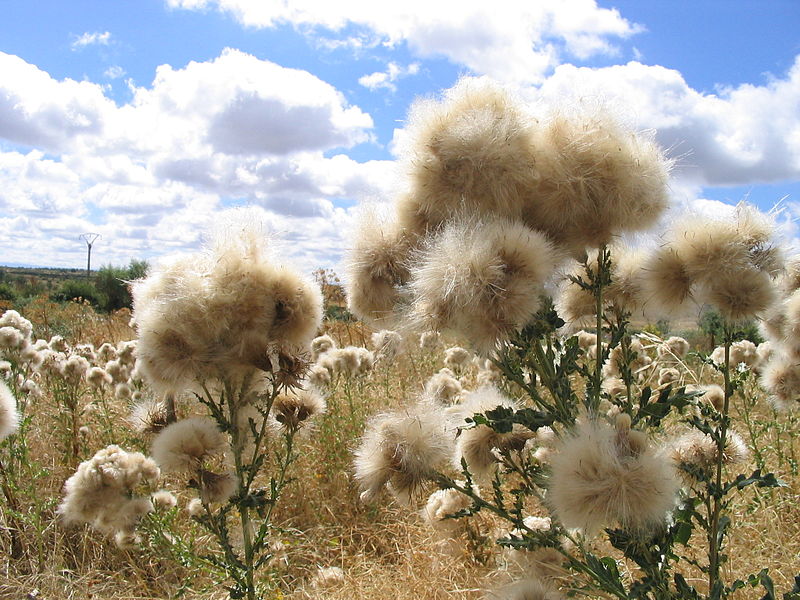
<point x="385" y="550"/>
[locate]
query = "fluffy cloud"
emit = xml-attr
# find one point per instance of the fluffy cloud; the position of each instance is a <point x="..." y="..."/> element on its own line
<point x="38" y="111"/>
<point x="91" y="39"/>
<point x="740" y="135"/>
<point x="385" y="79"/>
<point x="150" y="175"/>
<point x="514" y="41"/>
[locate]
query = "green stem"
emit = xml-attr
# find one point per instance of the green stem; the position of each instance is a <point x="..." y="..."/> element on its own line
<point x="715" y="544"/>
<point x="594" y="400"/>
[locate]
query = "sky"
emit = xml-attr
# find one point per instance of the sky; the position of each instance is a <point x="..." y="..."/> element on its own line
<point x="144" y="121"/>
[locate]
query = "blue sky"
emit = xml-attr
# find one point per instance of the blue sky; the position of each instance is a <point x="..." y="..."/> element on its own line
<point x="144" y="120"/>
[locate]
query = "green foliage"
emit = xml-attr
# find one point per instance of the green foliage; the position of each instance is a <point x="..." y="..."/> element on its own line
<point x="711" y="323"/>
<point x="7" y="293"/>
<point x="113" y="284"/>
<point x="73" y="290"/>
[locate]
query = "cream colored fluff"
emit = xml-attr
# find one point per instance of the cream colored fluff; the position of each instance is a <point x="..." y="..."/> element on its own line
<point x="482" y="279"/>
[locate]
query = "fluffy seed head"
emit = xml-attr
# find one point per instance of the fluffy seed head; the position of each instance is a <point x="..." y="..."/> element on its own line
<point x="100" y="492"/>
<point x="525" y="589"/>
<point x="481" y="279"/>
<point x="429" y="340"/>
<point x="98" y="378"/>
<point x="164" y="499"/>
<point x="216" y="488"/>
<point x="401" y="450"/>
<point x="668" y="375"/>
<point x="9" y="417"/>
<point x="667" y="283"/>
<point x="443" y="388"/>
<point x="12" y="318"/>
<point x="596" y="179"/>
<point x="185" y="445"/>
<point x="296" y="407"/>
<point x="443" y="504"/>
<point x="457" y="358"/>
<point x="387" y="344"/>
<point x="11" y="339"/>
<point x="672" y="349"/>
<point x="148" y="416"/>
<point x="376" y="269"/>
<point x="602" y="475"/>
<point x="221" y="310"/>
<point x="320" y="345"/>
<point x="472" y="152"/>
<point x="477" y="445"/>
<point x="781" y="378"/>
<point x="696" y="450"/>
<point x="742" y="294"/>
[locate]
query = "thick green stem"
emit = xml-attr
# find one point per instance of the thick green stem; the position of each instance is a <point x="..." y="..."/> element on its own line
<point x="594" y="401"/>
<point x="244" y="485"/>
<point x="714" y="541"/>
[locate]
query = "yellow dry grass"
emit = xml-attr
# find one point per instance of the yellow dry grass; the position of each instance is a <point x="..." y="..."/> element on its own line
<point x="385" y="550"/>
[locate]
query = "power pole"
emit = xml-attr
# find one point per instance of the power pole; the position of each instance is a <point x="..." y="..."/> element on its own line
<point x="90" y="239"/>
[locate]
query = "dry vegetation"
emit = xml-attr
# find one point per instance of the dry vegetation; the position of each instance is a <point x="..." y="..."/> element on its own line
<point x="385" y="550"/>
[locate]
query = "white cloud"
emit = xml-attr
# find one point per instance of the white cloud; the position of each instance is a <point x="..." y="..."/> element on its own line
<point x="512" y="41"/>
<point x="385" y="79"/>
<point x="91" y="39"/>
<point x="150" y="175"/>
<point x="114" y="72"/>
<point x="741" y="135"/>
<point x="38" y="111"/>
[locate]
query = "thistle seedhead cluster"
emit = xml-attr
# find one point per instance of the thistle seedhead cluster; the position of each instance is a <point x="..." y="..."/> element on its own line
<point x="604" y="475"/>
<point x="227" y="310"/>
<point x="496" y="199"/>
<point x="728" y="263"/>
<point x="103" y="492"/>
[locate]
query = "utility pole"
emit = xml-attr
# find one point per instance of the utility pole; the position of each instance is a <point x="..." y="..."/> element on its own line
<point x="90" y="239"/>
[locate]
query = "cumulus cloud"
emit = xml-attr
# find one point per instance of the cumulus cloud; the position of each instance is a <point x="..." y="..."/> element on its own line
<point x="114" y="72"/>
<point x="236" y="104"/>
<point x="386" y="79"/>
<point x="151" y="174"/>
<point x="739" y="135"/>
<point x="513" y="41"/>
<point x="94" y="38"/>
<point x="39" y="111"/>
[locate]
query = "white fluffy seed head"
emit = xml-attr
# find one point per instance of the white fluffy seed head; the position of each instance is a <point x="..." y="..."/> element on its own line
<point x="597" y="178"/>
<point x="9" y="417"/>
<point x="477" y="444"/>
<point x="376" y="270"/>
<point x="471" y="152"/>
<point x="781" y="378"/>
<point x="221" y="310"/>
<point x="320" y="345"/>
<point x="401" y="450"/>
<point x="603" y="475"/>
<point x="387" y="344"/>
<point x="481" y="279"/>
<point x="101" y="491"/>
<point x="185" y="445"/>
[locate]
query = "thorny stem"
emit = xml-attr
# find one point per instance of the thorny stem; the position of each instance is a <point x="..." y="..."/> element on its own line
<point x="714" y="541"/>
<point x="598" y="297"/>
<point x="244" y="510"/>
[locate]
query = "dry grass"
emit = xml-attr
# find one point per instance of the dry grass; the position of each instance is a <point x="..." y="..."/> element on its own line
<point x="385" y="550"/>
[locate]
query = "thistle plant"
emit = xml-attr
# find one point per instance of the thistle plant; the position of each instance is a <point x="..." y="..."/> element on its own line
<point x="581" y="453"/>
<point x="226" y="333"/>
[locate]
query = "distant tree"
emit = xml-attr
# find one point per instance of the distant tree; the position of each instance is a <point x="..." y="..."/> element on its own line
<point x="74" y="289"/>
<point x="7" y="293"/>
<point x="113" y="283"/>
<point x="710" y="323"/>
